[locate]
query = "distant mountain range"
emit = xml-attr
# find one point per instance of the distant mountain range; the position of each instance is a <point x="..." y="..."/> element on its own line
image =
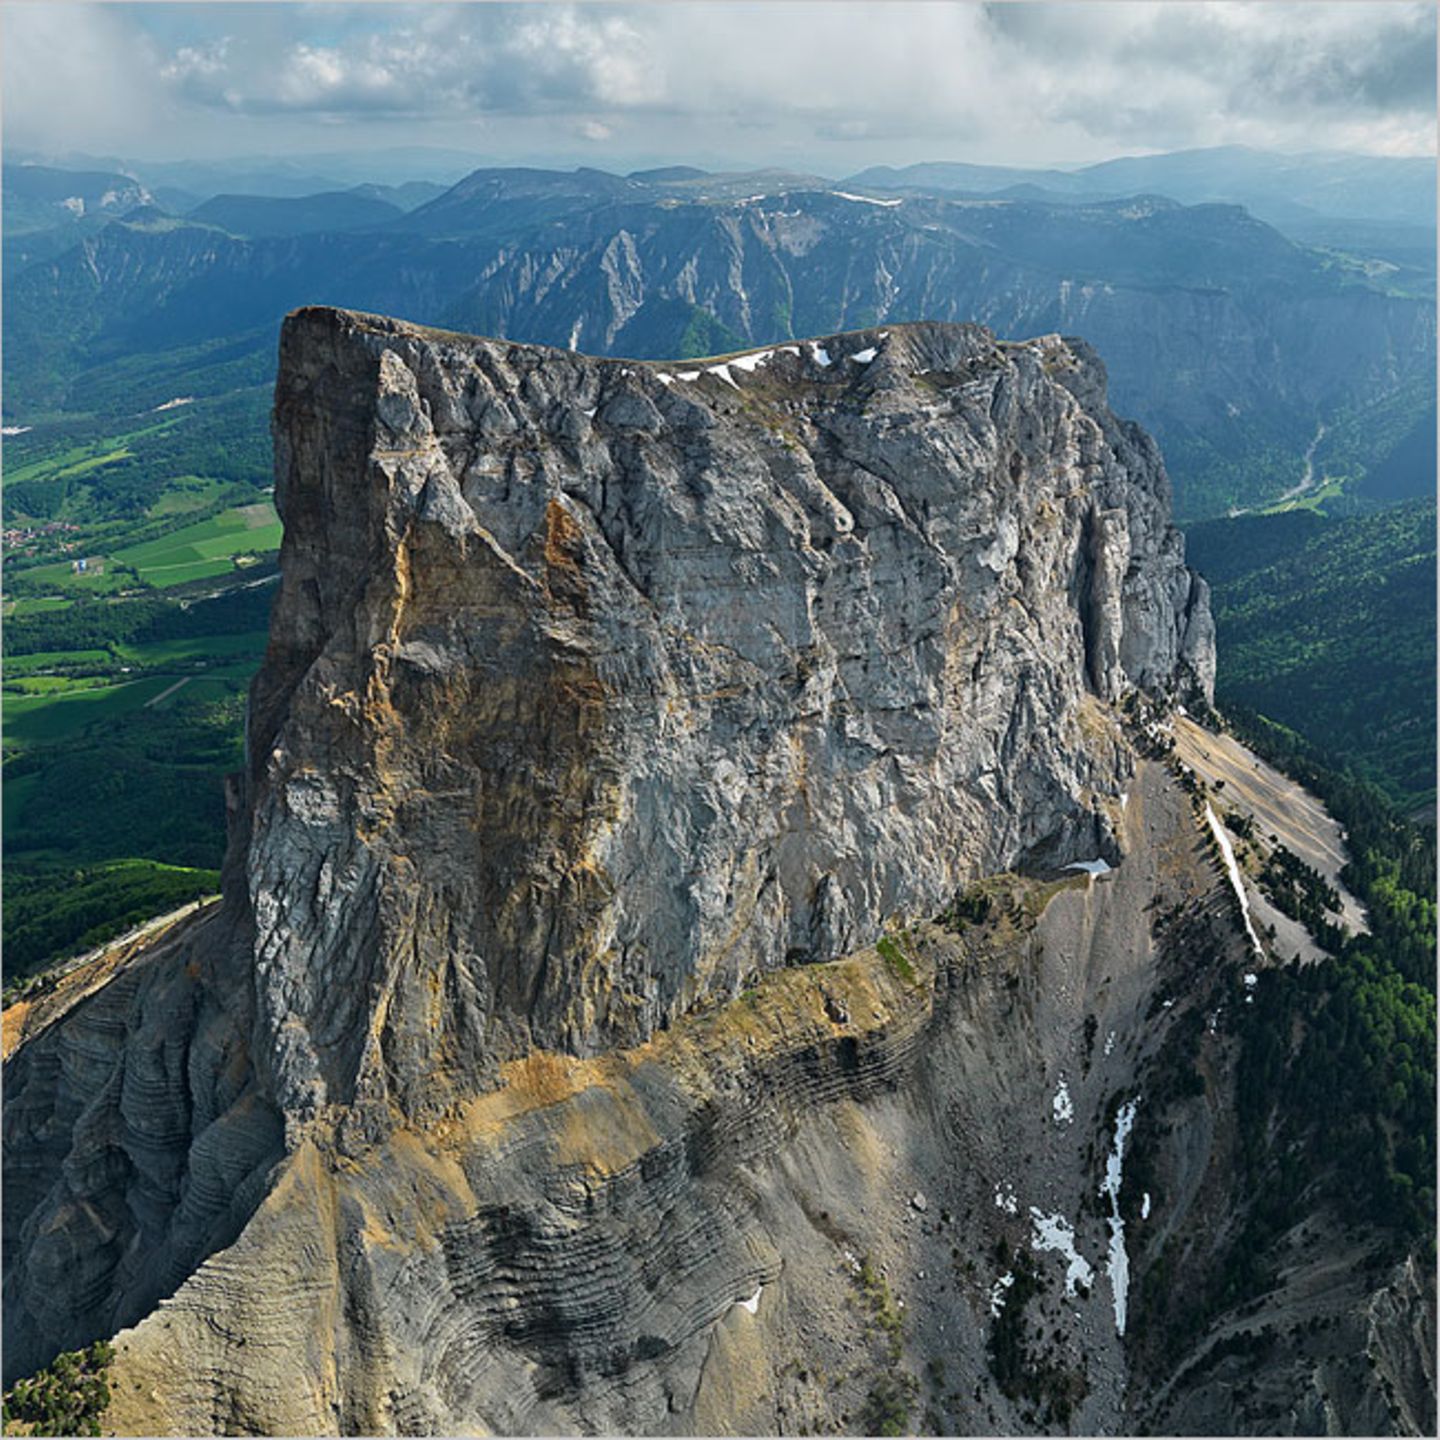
<point x="1228" y="339"/>
<point x="1397" y="189"/>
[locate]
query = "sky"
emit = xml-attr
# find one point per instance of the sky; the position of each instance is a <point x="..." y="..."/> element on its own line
<point x="822" y="86"/>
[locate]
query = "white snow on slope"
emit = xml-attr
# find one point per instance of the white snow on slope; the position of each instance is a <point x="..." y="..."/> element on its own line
<point x="863" y="199"/>
<point x="1054" y="1232"/>
<point x="1118" y="1266"/>
<point x="1005" y="1198"/>
<point x="174" y="404"/>
<point x="1090" y="867"/>
<point x="15" y="429"/>
<point x="753" y="1303"/>
<point x="865" y="356"/>
<point x="820" y="354"/>
<point x="997" y="1292"/>
<point x="1061" y="1107"/>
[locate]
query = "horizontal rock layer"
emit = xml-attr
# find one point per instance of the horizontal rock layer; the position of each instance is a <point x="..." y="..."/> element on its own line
<point x="596" y="688"/>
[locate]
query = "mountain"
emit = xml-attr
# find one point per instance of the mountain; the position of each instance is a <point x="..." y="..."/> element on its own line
<point x="500" y="202"/>
<point x="409" y="195"/>
<point x="1375" y="188"/>
<point x="620" y="266"/>
<point x="722" y="932"/>
<point x="1300" y="600"/>
<point x="47" y="210"/>
<point x="261" y="215"/>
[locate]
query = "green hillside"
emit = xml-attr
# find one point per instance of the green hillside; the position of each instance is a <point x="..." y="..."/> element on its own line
<point x="1328" y="626"/>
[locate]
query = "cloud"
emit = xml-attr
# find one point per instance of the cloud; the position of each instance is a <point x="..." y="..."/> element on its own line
<point x="438" y="61"/>
<point x="808" y="83"/>
<point x="1295" y="74"/>
<point x="75" y="76"/>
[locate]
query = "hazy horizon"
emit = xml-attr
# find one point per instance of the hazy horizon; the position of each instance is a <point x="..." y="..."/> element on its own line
<point x="829" y="88"/>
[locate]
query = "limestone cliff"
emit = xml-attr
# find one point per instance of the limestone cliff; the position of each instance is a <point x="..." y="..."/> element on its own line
<point x="593" y="1035"/>
<point x="598" y="689"/>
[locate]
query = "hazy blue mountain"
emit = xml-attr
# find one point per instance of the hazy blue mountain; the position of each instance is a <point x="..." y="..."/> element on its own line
<point x="409" y="196"/>
<point x="495" y="202"/>
<point x="305" y="215"/>
<point x="1220" y="334"/>
<point x="1359" y="187"/>
<point x="47" y="210"/>
<point x="665" y="173"/>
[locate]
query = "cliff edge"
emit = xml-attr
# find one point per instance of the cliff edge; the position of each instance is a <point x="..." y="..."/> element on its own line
<point x="597" y="689"/>
<point x="612" y="715"/>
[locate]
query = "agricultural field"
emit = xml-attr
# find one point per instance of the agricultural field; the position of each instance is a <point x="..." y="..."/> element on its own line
<point x="121" y="718"/>
<point x="206" y="549"/>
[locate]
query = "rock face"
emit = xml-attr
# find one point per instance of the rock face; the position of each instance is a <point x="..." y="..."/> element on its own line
<point x="597" y="689"/>
<point x="537" y="1073"/>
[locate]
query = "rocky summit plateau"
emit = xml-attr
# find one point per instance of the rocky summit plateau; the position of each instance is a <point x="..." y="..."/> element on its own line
<point x="715" y="938"/>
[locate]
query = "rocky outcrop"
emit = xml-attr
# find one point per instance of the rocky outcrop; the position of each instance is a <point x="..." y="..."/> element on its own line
<point x="545" y="1068"/>
<point x="598" y="689"/>
<point x="596" y="693"/>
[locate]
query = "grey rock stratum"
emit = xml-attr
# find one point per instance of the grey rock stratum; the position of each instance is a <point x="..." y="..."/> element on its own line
<point x="598" y="689"/>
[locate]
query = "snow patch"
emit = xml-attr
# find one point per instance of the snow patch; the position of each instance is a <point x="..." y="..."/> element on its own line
<point x="1061" y="1107"/>
<point x="1145" y="1206"/>
<point x="174" y="404"/>
<point x="663" y="378"/>
<point x="865" y="356"/>
<point x="1233" y="870"/>
<point x="753" y="1303"/>
<point x="747" y="363"/>
<point x="1118" y="1265"/>
<point x="997" y="1292"/>
<point x="15" y="429"/>
<point x="575" y="329"/>
<point x="820" y="355"/>
<point x="1090" y="867"/>
<point x="1055" y="1232"/>
<point x="1110" y="1042"/>
<point x="723" y="371"/>
<point x="1005" y="1198"/>
<point x="863" y="199"/>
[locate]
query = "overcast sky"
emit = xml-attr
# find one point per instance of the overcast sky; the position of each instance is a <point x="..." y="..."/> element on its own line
<point x="825" y="86"/>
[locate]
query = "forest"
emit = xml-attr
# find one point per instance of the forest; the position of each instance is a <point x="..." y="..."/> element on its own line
<point x="1328" y="626"/>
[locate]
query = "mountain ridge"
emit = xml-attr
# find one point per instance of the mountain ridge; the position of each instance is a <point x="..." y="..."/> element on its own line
<point x="660" y="277"/>
<point x="614" y="1019"/>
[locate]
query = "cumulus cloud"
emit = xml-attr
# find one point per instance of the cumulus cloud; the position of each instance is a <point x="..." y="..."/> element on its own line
<point x="417" y="61"/>
<point x="857" y="82"/>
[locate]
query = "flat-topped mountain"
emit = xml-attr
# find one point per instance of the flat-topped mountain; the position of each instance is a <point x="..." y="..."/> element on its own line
<point x="708" y="910"/>
<point x="614" y="686"/>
